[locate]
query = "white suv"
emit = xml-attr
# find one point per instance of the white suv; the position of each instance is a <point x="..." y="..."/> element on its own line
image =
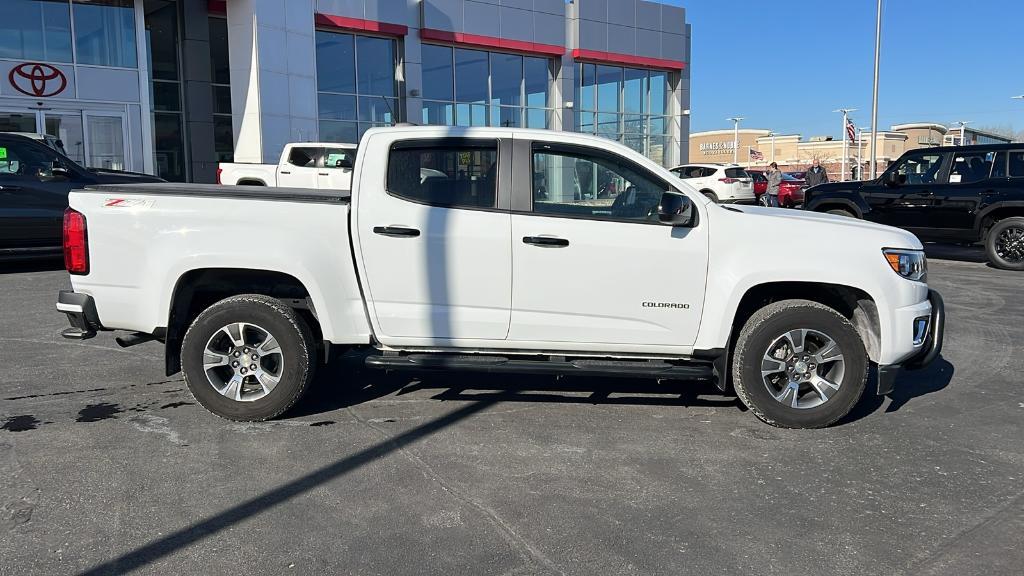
<point x="725" y="183"/>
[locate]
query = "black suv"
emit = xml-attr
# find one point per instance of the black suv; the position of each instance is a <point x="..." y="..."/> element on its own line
<point x="949" y="194"/>
<point x="34" y="184"/>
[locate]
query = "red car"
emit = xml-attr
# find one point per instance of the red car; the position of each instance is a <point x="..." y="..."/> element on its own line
<point x="791" y="189"/>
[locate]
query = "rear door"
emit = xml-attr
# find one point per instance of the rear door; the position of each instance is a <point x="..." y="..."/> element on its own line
<point x="435" y="239"/>
<point x="739" y="184"/>
<point x="970" y="184"/>
<point x="299" y="167"/>
<point x="336" y="168"/>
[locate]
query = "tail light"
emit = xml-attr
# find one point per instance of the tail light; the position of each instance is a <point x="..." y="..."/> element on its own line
<point x="728" y="180"/>
<point x="219" y="170"/>
<point x="76" y="242"/>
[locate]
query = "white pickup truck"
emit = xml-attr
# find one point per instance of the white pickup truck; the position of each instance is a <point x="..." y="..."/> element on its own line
<point x="491" y="250"/>
<point x="323" y="165"/>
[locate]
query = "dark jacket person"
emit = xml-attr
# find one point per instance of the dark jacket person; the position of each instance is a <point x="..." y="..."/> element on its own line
<point x="816" y="174"/>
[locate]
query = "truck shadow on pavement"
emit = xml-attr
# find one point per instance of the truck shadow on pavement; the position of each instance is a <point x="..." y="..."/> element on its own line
<point x="346" y="382"/>
<point x="910" y="385"/>
<point x="956" y="253"/>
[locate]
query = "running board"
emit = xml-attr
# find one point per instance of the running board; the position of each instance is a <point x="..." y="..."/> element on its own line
<point x="696" y="370"/>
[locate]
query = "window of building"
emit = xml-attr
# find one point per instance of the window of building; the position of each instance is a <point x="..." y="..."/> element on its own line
<point x="220" y="69"/>
<point x="161" y="21"/>
<point x="36" y="30"/>
<point x="356" y="83"/>
<point x="105" y="32"/>
<point x="477" y="88"/>
<point x="453" y="175"/>
<point x="580" y="183"/>
<point x="624" y="104"/>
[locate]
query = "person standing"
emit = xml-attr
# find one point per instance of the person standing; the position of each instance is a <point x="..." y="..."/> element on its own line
<point x="816" y="174"/>
<point x="774" y="180"/>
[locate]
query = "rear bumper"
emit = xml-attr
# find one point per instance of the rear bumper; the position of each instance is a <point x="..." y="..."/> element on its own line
<point x="81" y="313"/>
<point x="930" y="350"/>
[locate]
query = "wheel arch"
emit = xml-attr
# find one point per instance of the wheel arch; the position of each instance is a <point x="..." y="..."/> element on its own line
<point x="197" y="289"/>
<point x="838" y="203"/>
<point x="853" y="303"/>
<point x="989" y="216"/>
<point x="250" y="182"/>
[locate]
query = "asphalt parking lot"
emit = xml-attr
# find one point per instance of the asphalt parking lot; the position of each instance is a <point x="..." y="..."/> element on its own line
<point x="107" y="466"/>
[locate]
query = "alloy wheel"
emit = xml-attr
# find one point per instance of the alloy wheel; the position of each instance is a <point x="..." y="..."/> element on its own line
<point x="243" y="362"/>
<point x="803" y="368"/>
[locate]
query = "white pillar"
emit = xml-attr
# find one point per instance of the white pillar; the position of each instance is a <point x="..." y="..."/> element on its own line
<point x="273" y="76"/>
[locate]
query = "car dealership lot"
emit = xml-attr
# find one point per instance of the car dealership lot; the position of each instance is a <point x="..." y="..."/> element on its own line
<point x="106" y="464"/>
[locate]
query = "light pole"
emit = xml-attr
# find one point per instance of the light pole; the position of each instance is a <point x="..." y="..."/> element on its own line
<point x="735" y="137"/>
<point x="963" y="131"/>
<point x="846" y="153"/>
<point x="772" y="134"/>
<point x="875" y="92"/>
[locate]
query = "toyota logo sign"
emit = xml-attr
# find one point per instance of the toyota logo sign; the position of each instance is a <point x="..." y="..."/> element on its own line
<point x="37" y="80"/>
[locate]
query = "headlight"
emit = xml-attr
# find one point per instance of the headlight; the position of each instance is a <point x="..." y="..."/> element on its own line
<point x="911" y="264"/>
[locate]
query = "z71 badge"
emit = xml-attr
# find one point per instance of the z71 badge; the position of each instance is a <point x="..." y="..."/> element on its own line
<point x="128" y="203"/>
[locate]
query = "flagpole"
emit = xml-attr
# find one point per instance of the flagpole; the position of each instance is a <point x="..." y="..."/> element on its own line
<point x="846" y="149"/>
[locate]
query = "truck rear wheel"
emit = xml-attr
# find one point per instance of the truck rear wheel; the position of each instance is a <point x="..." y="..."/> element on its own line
<point x="248" y="358"/>
<point x="799" y="364"/>
<point x="1004" y="244"/>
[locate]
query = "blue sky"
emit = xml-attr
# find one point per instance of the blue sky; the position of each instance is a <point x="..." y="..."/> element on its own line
<point x="784" y="65"/>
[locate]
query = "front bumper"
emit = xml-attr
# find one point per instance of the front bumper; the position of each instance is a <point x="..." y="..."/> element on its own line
<point x="888" y="374"/>
<point x="81" y="312"/>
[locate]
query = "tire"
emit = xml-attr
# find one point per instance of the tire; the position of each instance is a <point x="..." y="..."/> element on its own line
<point x="711" y="195"/>
<point x="841" y="212"/>
<point x="815" y="324"/>
<point x="1004" y="244"/>
<point x="286" y="369"/>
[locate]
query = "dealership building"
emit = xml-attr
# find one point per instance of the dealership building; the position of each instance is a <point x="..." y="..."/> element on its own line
<point x="172" y="87"/>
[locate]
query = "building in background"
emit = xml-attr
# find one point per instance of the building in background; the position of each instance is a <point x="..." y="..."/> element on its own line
<point x="792" y="153"/>
<point x="173" y="86"/>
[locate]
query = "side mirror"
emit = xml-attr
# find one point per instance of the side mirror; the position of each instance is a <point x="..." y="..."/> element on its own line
<point x="675" y="209"/>
<point x="60" y="174"/>
<point x="892" y="178"/>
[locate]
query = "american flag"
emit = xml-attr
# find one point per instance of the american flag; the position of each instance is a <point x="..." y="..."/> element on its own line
<point x="756" y="155"/>
<point x="851" y="130"/>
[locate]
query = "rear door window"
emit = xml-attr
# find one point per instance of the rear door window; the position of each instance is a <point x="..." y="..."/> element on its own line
<point x="736" y="173"/>
<point x="302" y="157"/>
<point x="970" y="167"/>
<point x="339" y="157"/>
<point x="456" y="175"/>
<point x="1016" y="168"/>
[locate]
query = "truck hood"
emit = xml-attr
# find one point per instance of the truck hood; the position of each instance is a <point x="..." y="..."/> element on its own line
<point x="777" y="224"/>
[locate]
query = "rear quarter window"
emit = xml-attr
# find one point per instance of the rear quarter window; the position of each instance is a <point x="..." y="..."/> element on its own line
<point x="736" y="173"/>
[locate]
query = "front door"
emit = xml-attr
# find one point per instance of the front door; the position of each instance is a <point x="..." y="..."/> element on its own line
<point x="299" y="169"/>
<point x="93" y="139"/>
<point x="435" y="241"/>
<point x="592" y="270"/>
<point x="908" y="203"/>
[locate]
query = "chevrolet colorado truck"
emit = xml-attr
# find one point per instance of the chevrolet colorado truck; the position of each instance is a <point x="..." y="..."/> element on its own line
<point x="489" y="249"/>
<point x="964" y="194"/>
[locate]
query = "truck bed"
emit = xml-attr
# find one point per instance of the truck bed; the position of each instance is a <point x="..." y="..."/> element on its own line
<point x="311" y="195"/>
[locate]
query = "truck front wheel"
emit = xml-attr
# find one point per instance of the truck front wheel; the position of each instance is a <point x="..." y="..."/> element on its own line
<point x="248" y="358"/>
<point x="799" y="364"/>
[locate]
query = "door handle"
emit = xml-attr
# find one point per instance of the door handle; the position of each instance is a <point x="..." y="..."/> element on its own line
<point x="323" y="174"/>
<point x="546" y="241"/>
<point x="283" y="172"/>
<point x="396" y="231"/>
<point x="6" y="188"/>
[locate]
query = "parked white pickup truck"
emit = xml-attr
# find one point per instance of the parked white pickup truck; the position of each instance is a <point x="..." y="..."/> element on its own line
<point x="320" y="165"/>
<point x="491" y="249"/>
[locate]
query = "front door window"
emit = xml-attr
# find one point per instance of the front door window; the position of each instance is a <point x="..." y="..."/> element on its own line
<point x="920" y="168"/>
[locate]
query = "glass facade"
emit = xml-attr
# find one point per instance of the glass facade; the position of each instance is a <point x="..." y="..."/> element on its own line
<point x="477" y="88"/>
<point x="357" y="86"/>
<point x="166" y="94"/>
<point x="104" y="31"/>
<point x="628" y="105"/>
<point x="220" y="68"/>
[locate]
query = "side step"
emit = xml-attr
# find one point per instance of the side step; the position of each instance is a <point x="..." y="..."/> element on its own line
<point x="695" y="370"/>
